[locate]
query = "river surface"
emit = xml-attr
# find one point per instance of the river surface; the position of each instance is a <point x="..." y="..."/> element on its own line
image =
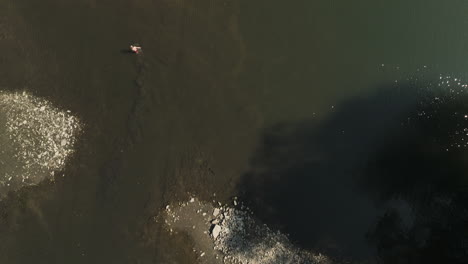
<point x="340" y="123"/>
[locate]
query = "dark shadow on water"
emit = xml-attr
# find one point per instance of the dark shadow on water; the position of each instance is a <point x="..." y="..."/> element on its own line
<point x="373" y="179"/>
<point x="126" y="51"/>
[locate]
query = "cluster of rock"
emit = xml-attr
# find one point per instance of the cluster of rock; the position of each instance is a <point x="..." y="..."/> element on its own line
<point x="36" y="139"/>
<point x="243" y="240"/>
<point x="228" y="234"/>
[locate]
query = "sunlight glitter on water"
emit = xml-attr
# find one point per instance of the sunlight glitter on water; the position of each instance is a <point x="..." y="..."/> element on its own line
<point x="36" y="138"/>
<point x="442" y="108"/>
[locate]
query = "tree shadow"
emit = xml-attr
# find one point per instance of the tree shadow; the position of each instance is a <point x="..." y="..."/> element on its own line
<point x="380" y="178"/>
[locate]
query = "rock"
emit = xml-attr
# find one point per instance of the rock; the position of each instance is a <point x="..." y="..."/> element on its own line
<point x="216" y="212"/>
<point x="192" y="200"/>
<point x="216" y="231"/>
<point x="63" y="142"/>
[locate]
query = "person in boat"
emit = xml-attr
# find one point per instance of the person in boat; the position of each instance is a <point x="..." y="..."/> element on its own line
<point x="135" y="48"/>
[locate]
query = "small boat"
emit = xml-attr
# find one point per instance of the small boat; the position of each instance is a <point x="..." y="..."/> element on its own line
<point x="135" y="48"/>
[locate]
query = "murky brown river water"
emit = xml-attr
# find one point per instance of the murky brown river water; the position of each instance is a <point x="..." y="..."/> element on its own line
<point x="303" y="109"/>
